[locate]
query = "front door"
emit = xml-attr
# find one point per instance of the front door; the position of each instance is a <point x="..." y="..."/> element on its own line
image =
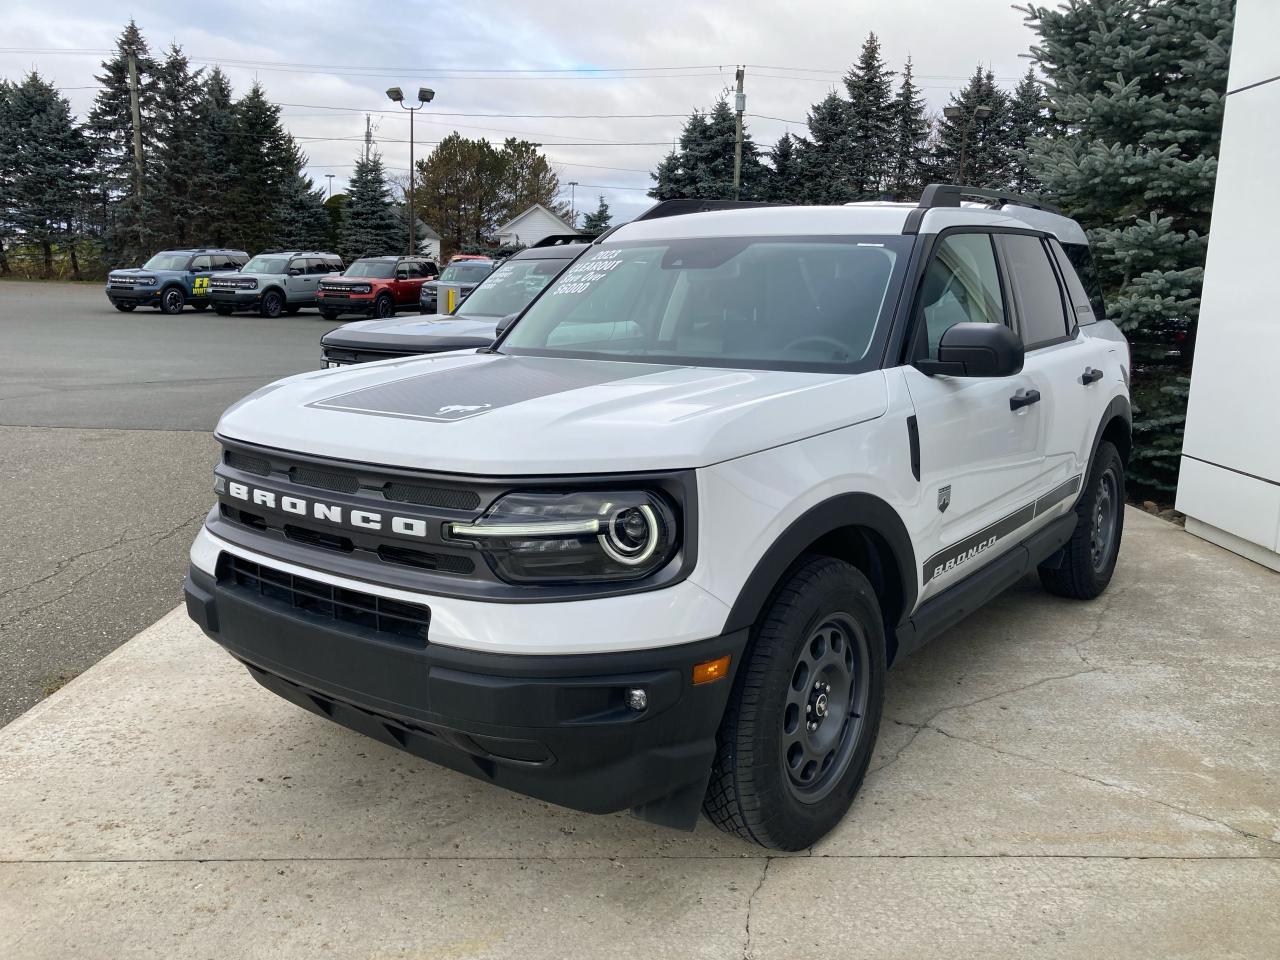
<point x="981" y="457"/>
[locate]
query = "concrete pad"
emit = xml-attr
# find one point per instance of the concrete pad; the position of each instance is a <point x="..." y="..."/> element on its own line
<point x="1052" y="778"/>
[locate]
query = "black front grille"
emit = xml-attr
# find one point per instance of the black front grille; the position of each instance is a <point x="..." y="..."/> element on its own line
<point x="249" y="464"/>
<point x="406" y="621"/>
<point x="311" y="477"/>
<point x="432" y="496"/>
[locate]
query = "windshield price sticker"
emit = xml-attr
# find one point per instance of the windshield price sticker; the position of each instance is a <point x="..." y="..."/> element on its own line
<point x="582" y="276"/>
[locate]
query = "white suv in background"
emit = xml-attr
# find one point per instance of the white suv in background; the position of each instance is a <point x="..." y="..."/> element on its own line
<point x="656" y="548"/>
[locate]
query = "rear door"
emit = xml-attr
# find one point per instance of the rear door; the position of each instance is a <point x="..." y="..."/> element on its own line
<point x="1057" y="361"/>
<point x="981" y="461"/>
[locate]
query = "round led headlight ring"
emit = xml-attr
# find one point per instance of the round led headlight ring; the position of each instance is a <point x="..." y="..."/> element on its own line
<point x="630" y="536"/>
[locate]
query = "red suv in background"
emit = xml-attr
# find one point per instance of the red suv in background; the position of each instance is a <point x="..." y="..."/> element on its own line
<point x="375" y="287"/>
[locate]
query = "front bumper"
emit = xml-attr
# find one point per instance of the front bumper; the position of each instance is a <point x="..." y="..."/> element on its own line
<point x="235" y="299"/>
<point x="141" y="297"/>
<point x="557" y="727"/>
<point x="341" y="303"/>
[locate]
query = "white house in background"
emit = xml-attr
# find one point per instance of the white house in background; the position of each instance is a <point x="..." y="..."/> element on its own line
<point x="533" y="225"/>
<point x="1229" y="479"/>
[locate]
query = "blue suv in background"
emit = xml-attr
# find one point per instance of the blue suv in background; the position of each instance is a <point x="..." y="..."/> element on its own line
<point x="172" y="279"/>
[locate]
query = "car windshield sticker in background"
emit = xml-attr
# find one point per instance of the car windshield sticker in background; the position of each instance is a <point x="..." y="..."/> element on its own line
<point x="580" y="277"/>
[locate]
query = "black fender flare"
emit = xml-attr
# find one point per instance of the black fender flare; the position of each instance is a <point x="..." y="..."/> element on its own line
<point x="1118" y="407"/>
<point x="272" y="287"/>
<point x="844" y="510"/>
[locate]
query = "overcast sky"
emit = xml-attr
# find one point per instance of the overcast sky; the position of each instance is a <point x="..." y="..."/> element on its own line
<point x="315" y="55"/>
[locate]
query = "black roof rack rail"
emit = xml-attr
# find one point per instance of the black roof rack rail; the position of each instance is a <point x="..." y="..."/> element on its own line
<point x="560" y="239"/>
<point x="952" y="194"/>
<point x="676" y="208"/>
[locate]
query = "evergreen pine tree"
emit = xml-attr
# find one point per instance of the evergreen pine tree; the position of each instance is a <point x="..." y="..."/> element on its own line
<point x="870" y="118"/>
<point x="129" y="227"/>
<point x="822" y="157"/>
<point x="263" y="156"/>
<point x="974" y="149"/>
<point x="908" y="166"/>
<point x="8" y="153"/>
<point x="45" y="178"/>
<point x="528" y="178"/>
<point x="301" y="219"/>
<point x="177" y="153"/>
<point x="1137" y="97"/>
<point x="212" y="196"/>
<point x="598" y="222"/>
<point x="1026" y="123"/>
<point x="702" y="167"/>
<point x="370" y="228"/>
<point x="783" y="182"/>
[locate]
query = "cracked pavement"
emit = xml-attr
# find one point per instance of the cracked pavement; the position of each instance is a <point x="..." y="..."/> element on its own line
<point x="1053" y="779"/>
<point x="105" y="453"/>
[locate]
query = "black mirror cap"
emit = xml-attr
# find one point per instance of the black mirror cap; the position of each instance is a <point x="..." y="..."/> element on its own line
<point x="976" y="350"/>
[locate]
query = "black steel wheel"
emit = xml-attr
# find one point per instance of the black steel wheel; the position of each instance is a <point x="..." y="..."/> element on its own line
<point x="1084" y="566"/>
<point x="826" y="707"/>
<point x="384" y="307"/>
<point x="804" y="712"/>
<point x="272" y="304"/>
<point x="172" y="301"/>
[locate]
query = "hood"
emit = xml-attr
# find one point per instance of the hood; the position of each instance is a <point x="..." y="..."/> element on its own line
<point x="136" y="272"/>
<point x="502" y="415"/>
<point x="405" y="332"/>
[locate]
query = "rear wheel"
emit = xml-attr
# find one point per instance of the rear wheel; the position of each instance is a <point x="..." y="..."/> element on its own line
<point x="804" y="713"/>
<point x="172" y="301"/>
<point x="272" y="304"/>
<point x="384" y="307"/>
<point x="126" y="307"/>
<point x="1089" y="558"/>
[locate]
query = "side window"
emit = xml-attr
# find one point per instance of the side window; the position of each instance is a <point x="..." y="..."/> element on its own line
<point x="1041" y="312"/>
<point x="430" y="269"/>
<point x="1077" y="297"/>
<point x="333" y="266"/>
<point x="961" y="285"/>
<point x="201" y="263"/>
<point x="224" y="261"/>
<point x="1080" y="258"/>
<point x="319" y="266"/>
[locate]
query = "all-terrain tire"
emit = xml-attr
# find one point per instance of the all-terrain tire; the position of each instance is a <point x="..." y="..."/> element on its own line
<point x="754" y="791"/>
<point x="272" y="304"/>
<point x="172" y="300"/>
<point x="384" y="307"/>
<point x="1088" y="559"/>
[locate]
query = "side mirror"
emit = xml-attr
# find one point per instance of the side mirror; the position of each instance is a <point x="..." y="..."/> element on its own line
<point x="504" y="323"/>
<point x="976" y="350"/>
<point x="402" y="274"/>
<point x="295" y="272"/>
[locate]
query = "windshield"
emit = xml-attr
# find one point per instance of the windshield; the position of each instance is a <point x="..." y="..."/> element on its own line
<point x="764" y="302"/>
<point x="379" y="269"/>
<point x="466" y="271"/>
<point x="266" y="265"/>
<point x="168" y="261"/>
<point x="510" y="288"/>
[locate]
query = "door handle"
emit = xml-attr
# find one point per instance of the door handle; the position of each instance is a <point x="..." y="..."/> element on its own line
<point x="1091" y="375"/>
<point x="1024" y="398"/>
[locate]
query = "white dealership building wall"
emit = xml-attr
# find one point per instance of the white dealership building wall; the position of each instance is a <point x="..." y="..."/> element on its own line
<point x="1229" y="485"/>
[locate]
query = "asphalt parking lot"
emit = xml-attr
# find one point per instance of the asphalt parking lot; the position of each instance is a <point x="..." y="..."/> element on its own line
<point x="1053" y="779"/>
<point x="105" y="453"/>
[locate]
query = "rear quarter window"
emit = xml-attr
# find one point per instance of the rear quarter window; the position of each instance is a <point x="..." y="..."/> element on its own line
<point x="1075" y="261"/>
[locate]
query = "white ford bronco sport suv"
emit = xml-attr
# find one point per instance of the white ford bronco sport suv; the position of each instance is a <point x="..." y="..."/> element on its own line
<point x="656" y="547"/>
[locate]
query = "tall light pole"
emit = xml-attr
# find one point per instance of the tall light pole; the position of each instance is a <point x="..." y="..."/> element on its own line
<point x="573" y="204"/>
<point x="980" y="112"/>
<point x="425" y="96"/>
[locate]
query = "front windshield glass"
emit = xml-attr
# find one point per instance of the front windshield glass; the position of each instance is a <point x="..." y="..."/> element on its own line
<point x="168" y="261"/>
<point x="510" y="288"/>
<point x="379" y="269"/>
<point x="266" y="265"/>
<point x="466" y="271"/>
<point x="754" y="302"/>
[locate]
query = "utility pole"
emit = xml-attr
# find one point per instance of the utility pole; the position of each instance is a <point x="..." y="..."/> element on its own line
<point x="739" y="105"/>
<point x="368" y="137"/>
<point x="573" y="204"/>
<point x="330" y="176"/>
<point x="136" y="110"/>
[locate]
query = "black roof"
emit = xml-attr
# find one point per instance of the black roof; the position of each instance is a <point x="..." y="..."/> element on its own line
<point x="203" y="250"/>
<point x="559" y="251"/>
<point x="396" y="258"/>
<point x="297" y="253"/>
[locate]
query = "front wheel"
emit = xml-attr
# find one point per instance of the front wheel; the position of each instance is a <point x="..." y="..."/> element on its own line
<point x="802" y="719"/>
<point x="1087" y="561"/>
<point x="272" y="304"/>
<point x="172" y="301"/>
<point x="384" y="307"/>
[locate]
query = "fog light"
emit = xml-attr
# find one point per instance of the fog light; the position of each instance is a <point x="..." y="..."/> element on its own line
<point x="637" y="699"/>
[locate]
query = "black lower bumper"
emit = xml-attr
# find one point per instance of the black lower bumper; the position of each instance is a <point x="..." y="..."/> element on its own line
<point x="341" y="305"/>
<point x="558" y="728"/>
<point x="135" y="298"/>
<point x="234" y="301"/>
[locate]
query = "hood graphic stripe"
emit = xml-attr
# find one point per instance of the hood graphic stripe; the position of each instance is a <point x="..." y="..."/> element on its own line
<point x="473" y="389"/>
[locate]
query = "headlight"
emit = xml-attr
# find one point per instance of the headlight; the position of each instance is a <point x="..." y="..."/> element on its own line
<point x="147" y="281"/>
<point x="362" y="288"/>
<point x="584" y="536"/>
<point x="248" y="283"/>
